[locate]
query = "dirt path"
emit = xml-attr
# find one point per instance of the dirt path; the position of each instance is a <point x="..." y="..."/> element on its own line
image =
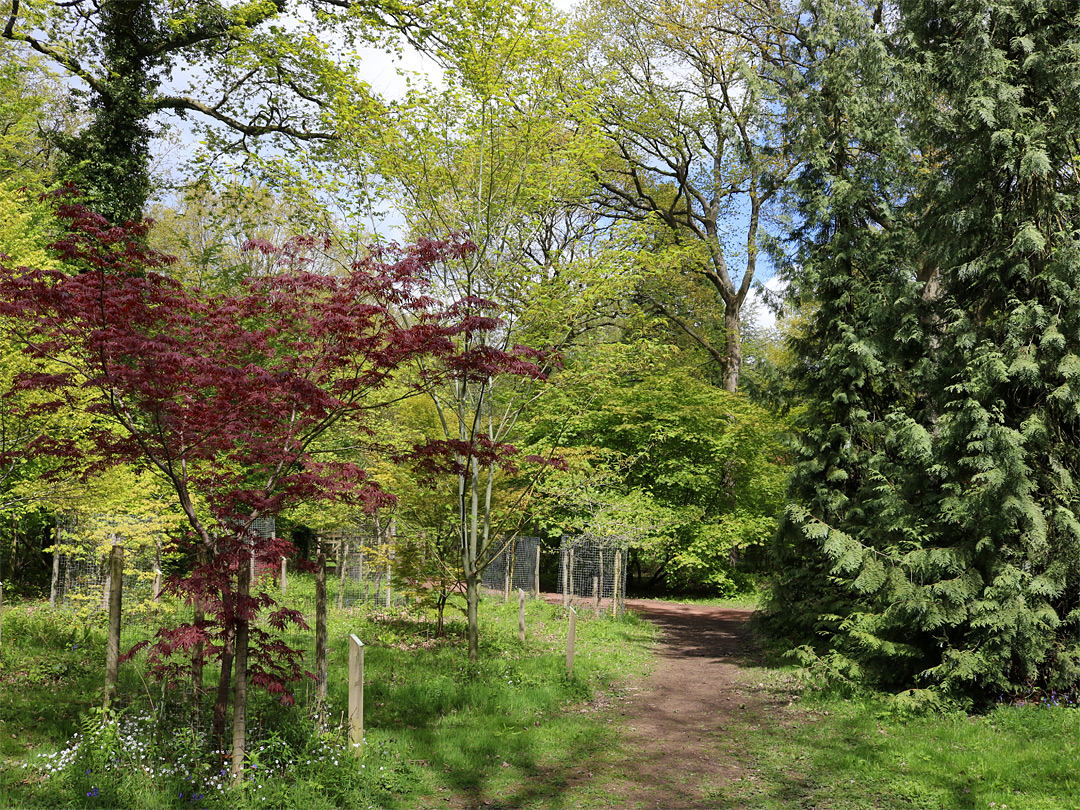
<point x="682" y="729"/>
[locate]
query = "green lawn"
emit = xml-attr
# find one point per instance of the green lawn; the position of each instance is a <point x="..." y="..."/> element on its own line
<point x="513" y="731"/>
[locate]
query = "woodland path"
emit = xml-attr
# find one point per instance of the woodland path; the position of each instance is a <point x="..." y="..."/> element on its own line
<point x="681" y="728"/>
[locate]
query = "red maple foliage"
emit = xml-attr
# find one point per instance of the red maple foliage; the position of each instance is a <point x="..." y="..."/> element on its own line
<point x="225" y="396"/>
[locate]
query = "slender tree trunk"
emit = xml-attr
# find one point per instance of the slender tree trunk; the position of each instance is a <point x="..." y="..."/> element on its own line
<point x="440" y="611"/>
<point x="343" y="558"/>
<point x="239" y="735"/>
<point x="198" y="651"/>
<point x="472" y="599"/>
<point x="224" y="688"/>
<point x="320" y="627"/>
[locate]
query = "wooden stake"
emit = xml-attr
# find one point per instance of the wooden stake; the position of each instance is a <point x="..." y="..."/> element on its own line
<point x="536" y="577"/>
<point x="570" y="634"/>
<point x="521" y="615"/>
<point x="596" y="595"/>
<point x="112" y="648"/>
<point x="356" y="694"/>
<point x="571" y="574"/>
<point x="565" y="578"/>
<point x="55" y="588"/>
<point x="616" y="586"/>
<point x="343" y="556"/>
<point x="284" y="575"/>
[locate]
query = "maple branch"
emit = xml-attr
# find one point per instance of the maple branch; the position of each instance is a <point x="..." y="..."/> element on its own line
<point x="183" y="103"/>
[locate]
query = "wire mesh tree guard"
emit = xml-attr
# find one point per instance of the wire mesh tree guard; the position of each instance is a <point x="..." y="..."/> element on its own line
<point x="365" y="566"/>
<point x="262" y="528"/>
<point x="592" y="575"/>
<point x="81" y="579"/>
<point x="516" y="565"/>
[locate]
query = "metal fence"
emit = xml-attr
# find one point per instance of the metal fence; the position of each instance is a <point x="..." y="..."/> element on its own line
<point x="515" y="565"/>
<point x="365" y="567"/>
<point x="81" y="577"/>
<point x="592" y="575"/>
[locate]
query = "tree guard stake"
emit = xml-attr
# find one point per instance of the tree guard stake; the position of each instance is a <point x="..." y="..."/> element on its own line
<point x="356" y="694"/>
<point x="570" y="634"/>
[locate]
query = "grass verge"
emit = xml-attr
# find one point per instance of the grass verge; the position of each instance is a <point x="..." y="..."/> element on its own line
<point x="816" y="750"/>
<point x="437" y="727"/>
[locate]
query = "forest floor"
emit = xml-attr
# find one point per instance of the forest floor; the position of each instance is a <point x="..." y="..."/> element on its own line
<point x="682" y="728"/>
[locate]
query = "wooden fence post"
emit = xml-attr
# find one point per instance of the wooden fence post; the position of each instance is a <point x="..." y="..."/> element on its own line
<point x="536" y="574"/>
<point x="54" y="589"/>
<point x="616" y="586"/>
<point x="521" y="615"/>
<point x="570" y="575"/>
<point x="343" y="556"/>
<point x="387" y="580"/>
<point x="600" y="592"/>
<point x="570" y="634"/>
<point x="356" y="694"/>
<point x="565" y="578"/>
<point x="112" y="648"/>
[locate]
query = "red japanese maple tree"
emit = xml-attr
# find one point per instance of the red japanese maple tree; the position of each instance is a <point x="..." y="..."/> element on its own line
<point x="225" y="397"/>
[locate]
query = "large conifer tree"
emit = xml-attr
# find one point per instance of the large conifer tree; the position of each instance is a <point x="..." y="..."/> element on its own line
<point x="935" y="541"/>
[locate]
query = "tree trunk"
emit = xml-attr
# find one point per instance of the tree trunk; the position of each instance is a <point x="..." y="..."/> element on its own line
<point x="472" y="599"/>
<point x="197" y="652"/>
<point x="440" y="612"/>
<point x="320" y="627"/>
<point x="733" y="347"/>
<point x="239" y="735"/>
<point x="224" y="685"/>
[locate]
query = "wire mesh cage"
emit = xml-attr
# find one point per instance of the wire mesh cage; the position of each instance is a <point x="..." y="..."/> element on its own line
<point x="365" y="566"/>
<point x="516" y="565"/>
<point x="81" y="578"/>
<point x="263" y="528"/>
<point x="592" y="575"/>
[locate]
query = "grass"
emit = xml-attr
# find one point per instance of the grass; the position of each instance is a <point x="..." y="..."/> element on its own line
<point x="742" y="601"/>
<point x="823" y="750"/>
<point x="511" y="731"/>
<point x="436" y="726"/>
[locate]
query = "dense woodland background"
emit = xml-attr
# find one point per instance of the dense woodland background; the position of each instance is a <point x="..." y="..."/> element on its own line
<point x="571" y="348"/>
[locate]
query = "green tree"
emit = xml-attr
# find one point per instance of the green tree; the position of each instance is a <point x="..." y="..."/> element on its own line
<point x="210" y="231"/>
<point x="677" y="93"/>
<point x="491" y="156"/>
<point x="689" y="476"/>
<point x="33" y="113"/>
<point x="253" y="72"/>
<point x="935" y="541"/>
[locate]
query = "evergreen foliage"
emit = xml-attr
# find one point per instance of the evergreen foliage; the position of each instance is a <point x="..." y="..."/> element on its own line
<point x="934" y="540"/>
